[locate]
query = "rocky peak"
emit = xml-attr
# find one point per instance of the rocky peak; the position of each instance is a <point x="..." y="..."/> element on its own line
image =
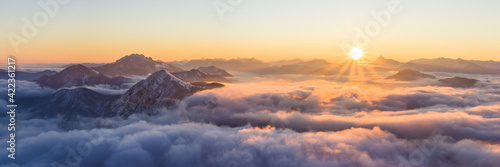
<point x="161" y="89"/>
<point x="135" y="64"/>
<point x="134" y="58"/>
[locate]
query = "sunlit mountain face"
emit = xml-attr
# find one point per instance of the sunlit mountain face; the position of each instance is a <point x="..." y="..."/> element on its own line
<point x="244" y="83"/>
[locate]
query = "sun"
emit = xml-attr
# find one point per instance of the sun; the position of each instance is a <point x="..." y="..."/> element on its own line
<point x="356" y="53"/>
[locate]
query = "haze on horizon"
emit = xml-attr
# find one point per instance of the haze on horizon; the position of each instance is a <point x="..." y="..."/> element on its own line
<point x="102" y="31"/>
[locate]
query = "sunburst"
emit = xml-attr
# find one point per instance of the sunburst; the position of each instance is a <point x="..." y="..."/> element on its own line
<point x="355" y="65"/>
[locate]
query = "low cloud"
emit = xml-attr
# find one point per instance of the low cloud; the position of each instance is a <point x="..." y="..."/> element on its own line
<point x="281" y="123"/>
<point x="191" y="144"/>
<point x="26" y="89"/>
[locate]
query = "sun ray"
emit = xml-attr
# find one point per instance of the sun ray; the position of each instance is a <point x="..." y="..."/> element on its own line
<point x="352" y="69"/>
<point x="360" y="71"/>
<point x="343" y="69"/>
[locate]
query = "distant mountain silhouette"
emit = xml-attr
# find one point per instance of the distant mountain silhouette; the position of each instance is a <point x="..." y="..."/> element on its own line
<point x="448" y="65"/>
<point x="212" y="70"/>
<point x="314" y="67"/>
<point x="459" y="82"/>
<point x="22" y="75"/>
<point x="488" y="64"/>
<point x="409" y="75"/>
<point x="286" y="62"/>
<point x="90" y="65"/>
<point x="78" y="75"/>
<point x="382" y="61"/>
<point x="161" y="89"/>
<point x="135" y="64"/>
<point x="314" y="63"/>
<point x="71" y="103"/>
<point x="196" y="75"/>
<point x="240" y="64"/>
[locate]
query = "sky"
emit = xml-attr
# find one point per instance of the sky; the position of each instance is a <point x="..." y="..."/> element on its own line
<point x="103" y="31"/>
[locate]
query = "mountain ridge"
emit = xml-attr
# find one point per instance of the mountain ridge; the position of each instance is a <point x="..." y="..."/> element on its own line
<point x="135" y="64"/>
<point x="78" y="75"/>
<point x="447" y="65"/>
<point x="381" y="60"/>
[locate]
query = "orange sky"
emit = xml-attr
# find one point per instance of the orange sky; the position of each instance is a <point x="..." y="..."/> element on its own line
<point x="266" y="30"/>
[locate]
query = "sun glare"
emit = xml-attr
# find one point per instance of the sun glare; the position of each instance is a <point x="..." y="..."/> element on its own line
<point x="355" y="67"/>
<point x="356" y="53"/>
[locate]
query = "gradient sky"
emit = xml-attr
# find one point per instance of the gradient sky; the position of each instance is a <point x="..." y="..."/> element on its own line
<point x="103" y="31"/>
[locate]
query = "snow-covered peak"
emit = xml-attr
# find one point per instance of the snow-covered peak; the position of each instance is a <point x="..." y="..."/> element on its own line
<point x="161" y="89"/>
<point x="165" y="76"/>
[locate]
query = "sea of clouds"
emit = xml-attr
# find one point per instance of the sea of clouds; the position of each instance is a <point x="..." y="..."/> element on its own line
<point x="281" y="123"/>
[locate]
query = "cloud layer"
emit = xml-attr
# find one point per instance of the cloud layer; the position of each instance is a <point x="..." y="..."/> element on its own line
<point x="192" y="144"/>
<point x="281" y="123"/>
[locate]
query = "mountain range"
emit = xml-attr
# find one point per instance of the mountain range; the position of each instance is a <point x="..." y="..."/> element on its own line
<point x="132" y="65"/>
<point x="315" y="67"/>
<point x="79" y="75"/>
<point x="159" y="90"/>
<point x="137" y="64"/>
<point x="212" y="70"/>
<point x="488" y="64"/>
<point x="169" y="84"/>
<point x="90" y="65"/>
<point x="382" y="61"/>
<point x="441" y="65"/>
<point x="239" y="64"/>
<point x="196" y="75"/>
<point x="448" y="65"/>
